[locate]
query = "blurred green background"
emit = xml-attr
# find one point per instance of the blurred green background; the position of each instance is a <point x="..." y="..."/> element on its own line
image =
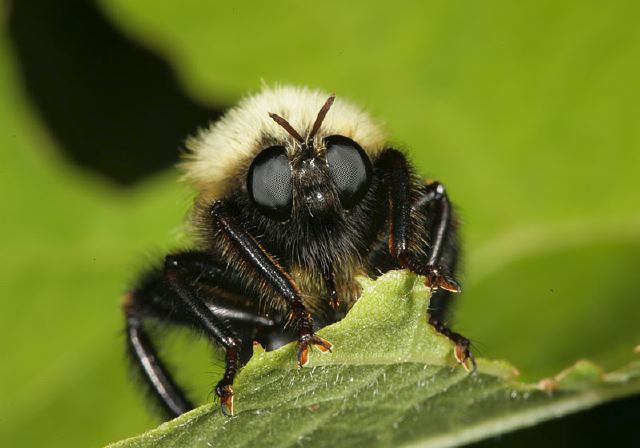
<point x="527" y="112"/>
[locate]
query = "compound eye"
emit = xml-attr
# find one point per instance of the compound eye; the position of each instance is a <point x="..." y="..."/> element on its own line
<point x="349" y="168"/>
<point x="269" y="183"/>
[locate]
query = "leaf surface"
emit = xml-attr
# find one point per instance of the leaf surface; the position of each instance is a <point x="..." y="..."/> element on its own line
<point x="391" y="380"/>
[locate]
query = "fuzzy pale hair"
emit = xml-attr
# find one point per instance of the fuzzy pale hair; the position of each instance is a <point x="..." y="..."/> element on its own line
<point x="216" y="153"/>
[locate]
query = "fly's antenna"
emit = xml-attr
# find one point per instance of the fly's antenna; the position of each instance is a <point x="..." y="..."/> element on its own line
<point x="320" y="118"/>
<point x="287" y="127"/>
<point x="307" y="145"/>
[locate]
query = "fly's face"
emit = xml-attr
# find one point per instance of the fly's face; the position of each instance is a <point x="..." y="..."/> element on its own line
<point x="320" y="178"/>
<point x="315" y="195"/>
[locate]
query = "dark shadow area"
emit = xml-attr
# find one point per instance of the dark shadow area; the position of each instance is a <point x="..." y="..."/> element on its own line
<point x="612" y="424"/>
<point x="113" y="106"/>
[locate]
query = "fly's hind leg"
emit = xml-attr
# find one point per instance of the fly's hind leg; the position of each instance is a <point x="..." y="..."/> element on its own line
<point x="169" y="396"/>
<point x="173" y="295"/>
<point x="463" y="345"/>
<point x="443" y="236"/>
<point x="407" y="200"/>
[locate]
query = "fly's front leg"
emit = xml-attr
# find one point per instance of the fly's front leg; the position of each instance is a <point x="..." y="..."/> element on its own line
<point x="434" y="201"/>
<point x="263" y="264"/>
<point x="403" y="225"/>
<point x="407" y="202"/>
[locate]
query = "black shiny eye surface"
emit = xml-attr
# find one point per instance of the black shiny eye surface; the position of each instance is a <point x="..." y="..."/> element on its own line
<point x="349" y="168"/>
<point x="269" y="183"/>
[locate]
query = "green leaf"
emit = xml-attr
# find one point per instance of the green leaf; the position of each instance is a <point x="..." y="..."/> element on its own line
<point x="391" y="380"/>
